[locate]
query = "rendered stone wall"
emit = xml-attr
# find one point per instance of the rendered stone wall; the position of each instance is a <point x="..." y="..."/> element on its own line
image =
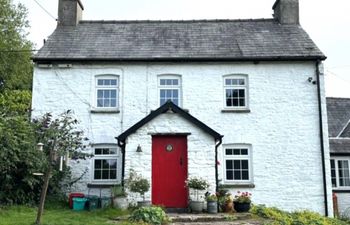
<point x="282" y="126"/>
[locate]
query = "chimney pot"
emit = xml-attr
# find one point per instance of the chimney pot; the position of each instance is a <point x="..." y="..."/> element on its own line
<point x="286" y="11"/>
<point x="69" y="12"/>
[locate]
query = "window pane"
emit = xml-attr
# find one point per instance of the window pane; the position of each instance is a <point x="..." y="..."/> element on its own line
<point x="107" y="82"/>
<point x="228" y="151"/>
<point x="99" y="103"/>
<point x="237" y="175"/>
<point x="97" y="174"/>
<point x="106" y="151"/>
<point x="241" y="102"/>
<point x="114" y="82"/>
<point x="229" y="164"/>
<point x="98" y="164"/>
<point x="244" y="151"/>
<point x="234" y="102"/>
<point x="162" y="93"/>
<point x="113" y="174"/>
<point x="105" y="174"/>
<point x="162" y="82"/>
<point x="112" y="151"/>
<point x="105" y="164"/>
<point x="245" y="164"/>
<point x="234" y="93"/>
<point x="241" y="82"/>
<point x="245" y="175"/>
<point x="236" y="151"/>
<point x="99" y="93"/>
<point x="112" y="164"/>
<point x="229" y="175"/>
<point x="98" y="151"/>
<point x="237" y="164"/>
<point x="228" y="82"/>
<point x="175" y="82"/>
<point x="241" y="92"/>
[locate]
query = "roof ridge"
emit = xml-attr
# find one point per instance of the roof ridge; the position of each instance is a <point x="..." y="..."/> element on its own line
<point x="177" y="21"/>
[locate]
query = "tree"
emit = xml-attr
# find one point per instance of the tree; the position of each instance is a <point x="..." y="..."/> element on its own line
<point x="16" y="67"/>
<point x="59" y="136"/>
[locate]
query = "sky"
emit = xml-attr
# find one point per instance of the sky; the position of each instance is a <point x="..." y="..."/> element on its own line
<point x="326" y="21"/>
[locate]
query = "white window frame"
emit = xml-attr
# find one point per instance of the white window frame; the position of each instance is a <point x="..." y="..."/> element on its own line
<point x="245" y="87"/>
<point x="238" y="157"/>
<point x="106" y="157"/>
<point x="111" y="87"/>
<point x="336" y="159"/>
<point x="170" y="87"/>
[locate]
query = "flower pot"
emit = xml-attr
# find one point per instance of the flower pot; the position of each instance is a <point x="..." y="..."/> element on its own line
<point x="241" y="207"/>
<point x="228" y="206"/>
<point x="143" y="204"/>
<point x="120" y="202"/>
<point x="196" y="206"/>
<point x="212" y="207"/>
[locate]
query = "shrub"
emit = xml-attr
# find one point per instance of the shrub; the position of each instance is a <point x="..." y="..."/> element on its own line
<point x="295" y="218"/>
<point x="151" y="215"/>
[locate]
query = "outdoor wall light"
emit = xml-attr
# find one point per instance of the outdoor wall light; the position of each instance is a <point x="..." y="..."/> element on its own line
<point x="138" y="149"/>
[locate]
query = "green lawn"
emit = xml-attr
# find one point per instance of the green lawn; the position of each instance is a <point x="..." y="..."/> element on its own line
<point x="24" y="215"/>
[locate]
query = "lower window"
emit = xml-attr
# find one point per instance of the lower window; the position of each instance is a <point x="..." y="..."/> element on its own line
<point x="340" y="172"/>
<point x="105" y="163"/>
<point x="237" y="163"/>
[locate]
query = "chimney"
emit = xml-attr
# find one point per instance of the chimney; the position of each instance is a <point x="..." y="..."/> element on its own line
<point x="69" y="12"/>
<point x="286" y="11"/>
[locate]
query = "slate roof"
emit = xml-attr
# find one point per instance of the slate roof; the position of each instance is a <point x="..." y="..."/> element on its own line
<point x="338" y="113"/>
<point x="259" y="39"/>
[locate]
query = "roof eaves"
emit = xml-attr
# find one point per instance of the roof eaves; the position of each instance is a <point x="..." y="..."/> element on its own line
<point x="169" y="105"/>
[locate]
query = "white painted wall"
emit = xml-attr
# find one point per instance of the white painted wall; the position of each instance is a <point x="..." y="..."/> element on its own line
<point x="282" y="127"/>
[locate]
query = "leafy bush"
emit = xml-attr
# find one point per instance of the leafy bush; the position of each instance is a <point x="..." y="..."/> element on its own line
<point x="151" y="215"/>
<point x="295" y="218"/>
<point x="15" y="102"/>
<point x="19" y="159"/>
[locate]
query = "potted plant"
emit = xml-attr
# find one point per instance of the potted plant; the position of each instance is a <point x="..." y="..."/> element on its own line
<point x="119" y="197"/>
<point x="197" y="184"/>
<point x="242" y="201"/>
<point x="212" y="203"/>
<point x="137" y="184"/>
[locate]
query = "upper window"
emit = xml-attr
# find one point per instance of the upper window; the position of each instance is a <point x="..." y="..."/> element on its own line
<point x="107" y="91"/>
<point x="237" y="163"/>
<point x="235" y="91"/>
<point x="105" y="163"/>
<point x="340" y="172"/>
<point x="169" y="89"/>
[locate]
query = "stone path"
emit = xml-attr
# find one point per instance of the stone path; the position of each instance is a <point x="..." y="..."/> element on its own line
<point x="214" y="219"/>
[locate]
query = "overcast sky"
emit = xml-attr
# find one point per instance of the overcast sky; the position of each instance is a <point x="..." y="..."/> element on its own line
<point x="326" y="21"/>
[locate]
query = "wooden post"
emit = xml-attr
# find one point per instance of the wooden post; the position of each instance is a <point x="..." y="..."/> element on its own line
<point x="47" y="177"/>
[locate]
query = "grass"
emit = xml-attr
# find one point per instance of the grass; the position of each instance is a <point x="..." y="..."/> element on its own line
<point x="58" y="215"/>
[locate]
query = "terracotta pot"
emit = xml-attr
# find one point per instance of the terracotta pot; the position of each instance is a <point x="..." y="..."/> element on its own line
<point x="228" y="206"/>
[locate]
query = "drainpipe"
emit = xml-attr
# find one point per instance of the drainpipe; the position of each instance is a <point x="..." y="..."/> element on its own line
<point x="321" y="136"/>
<point x="216" y="164"/>
<point x="122" y="146"/>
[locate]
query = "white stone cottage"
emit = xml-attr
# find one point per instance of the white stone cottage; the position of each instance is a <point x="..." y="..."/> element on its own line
<point x="338" y="110"/>
<point x="237" y="102"/>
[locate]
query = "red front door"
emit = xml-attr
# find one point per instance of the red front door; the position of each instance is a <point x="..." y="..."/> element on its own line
<point x="169" y="171"/>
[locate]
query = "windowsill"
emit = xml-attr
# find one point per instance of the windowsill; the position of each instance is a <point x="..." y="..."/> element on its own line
<point x="104" y="110"/>
<point x="344" y="190"/>
<point x="101" y="185"/>
<point x="235" y="110"/>
<point x="247" y="185"/>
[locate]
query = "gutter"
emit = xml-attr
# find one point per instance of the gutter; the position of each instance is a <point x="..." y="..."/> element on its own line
<point x="321" y="137"/>
<point x="181" y="59"/>
<point x="216" y="164"/>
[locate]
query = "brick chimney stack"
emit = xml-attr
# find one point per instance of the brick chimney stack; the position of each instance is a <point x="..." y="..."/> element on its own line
<point x="286" y="11"/>
<point x="69" y="12"/>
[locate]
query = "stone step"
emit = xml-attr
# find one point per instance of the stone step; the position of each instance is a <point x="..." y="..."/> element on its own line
<point x="204" y="217"/>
